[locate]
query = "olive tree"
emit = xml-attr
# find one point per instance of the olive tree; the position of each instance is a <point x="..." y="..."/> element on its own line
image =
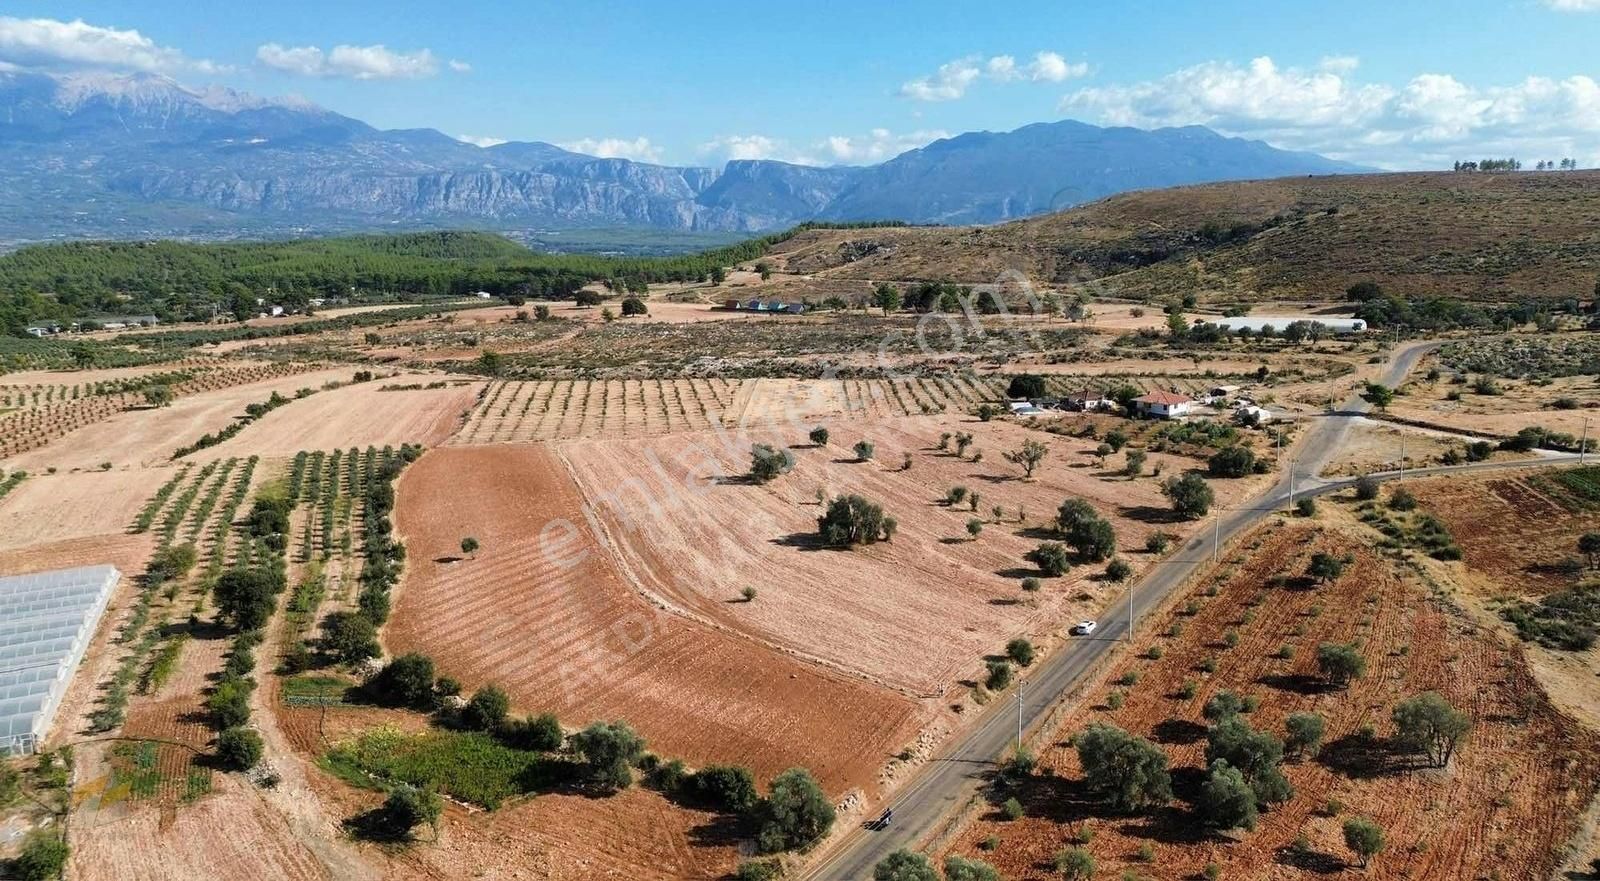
<point x="1339" y="663"/>
<point x="1304" y="733"/>
<point x="1028" y="456"/>
<point x="609" y="750"/>
<point x="1428" y="724"/>
<point x="1226" y="799"/>
<point x="1129" y="773"/>
<point x="1190" y="495"/>
<point x="1364" y="837"/>
<point x="768" y="462"/>
<point x="904" y="865"/>
<point x="795" y="814"/>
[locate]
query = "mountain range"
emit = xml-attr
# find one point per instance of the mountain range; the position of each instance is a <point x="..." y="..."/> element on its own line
<point x="140" y="155"/>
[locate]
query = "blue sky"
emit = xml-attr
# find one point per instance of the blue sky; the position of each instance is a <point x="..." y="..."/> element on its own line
<point x="1396" y="84"/>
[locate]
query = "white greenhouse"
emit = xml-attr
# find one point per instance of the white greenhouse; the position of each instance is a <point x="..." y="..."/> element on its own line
<point x="46" y="623"/>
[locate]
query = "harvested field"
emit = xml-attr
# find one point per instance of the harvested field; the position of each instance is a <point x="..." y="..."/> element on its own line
<point x="56" y="507"/>
<point x="918" y="613"/>
<point x="230" y="834"/>
<point x="149" y="436"/>
<point x="544" y="612"/>
<point x="356" y="415"/>
<point x="58" y="410"/>
<point x="1508" y="802"/>
<point x="1516" y="529"/>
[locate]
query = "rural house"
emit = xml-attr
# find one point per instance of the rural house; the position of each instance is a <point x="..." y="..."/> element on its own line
<point x="1163" y="405"/>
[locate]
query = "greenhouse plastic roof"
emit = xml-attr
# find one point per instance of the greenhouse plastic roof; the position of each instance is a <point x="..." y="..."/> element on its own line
<point x="46" y="623"/>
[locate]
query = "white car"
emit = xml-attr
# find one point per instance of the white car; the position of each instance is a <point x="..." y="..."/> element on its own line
<point x="1084" y="628"/>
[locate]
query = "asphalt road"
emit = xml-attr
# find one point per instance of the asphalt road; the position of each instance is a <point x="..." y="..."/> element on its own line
<point x="950" y="780"/>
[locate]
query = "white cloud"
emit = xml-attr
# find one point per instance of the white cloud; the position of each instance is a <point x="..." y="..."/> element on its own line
<point x="1573" y="5"/>
<point x="952" y="80"/>
<point x="638" y="149"/>
<point x="1048" y="67"/>
<point x="460" y="66"/>
<point x="874" y="146"/>
<point x="377" y="62"/>
<point x="47" y="42"/>
<point x="878" y="145"/>
<point x="1429" y="121"/>
<point x="478" y="141"/>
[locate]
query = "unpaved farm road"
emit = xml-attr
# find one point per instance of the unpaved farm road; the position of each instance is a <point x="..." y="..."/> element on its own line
<point x="954" y="776"/>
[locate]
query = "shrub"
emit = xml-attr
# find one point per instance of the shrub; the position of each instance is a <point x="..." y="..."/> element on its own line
<point x="864" y="450"/>
<point x="999" y="678"/>
<point x="1133" y="464"/>
<point x="974" y="527"/>
<point x="1031" y="584"/>
<point x="903" y="865"/>
<point x="406" y="681"/>
<point x="487" y="709"/>
<point x="1075" y="864"/>
<point x="1325" y="567"/>
<point x="1233" y="461"/>
<point x="229" y="703"/>
<point x="1026" y="385"/>
<point x="958" y="868"/>
<point x="1401" y="499"/>
<point x="1305" y="506"/>
<point x="1012" y="809"/>
<point x="1158" y="542"/>
<point x="1366" y="488"/>
<point x="795" y="814"/>
<point x="819" y="436"/>
<point x="239" y="749"/>
<point x="541" y="733"/>
<point x="350" y="637"/>
<point x="469" y="545"/>
<point x="758" y="870"/>
<point x="408" y="807"/>
<point x="634" y="306"/>
<point x="43" y="857"/>
<point x="1020" y="650"/>
<point x="609" y="750"/>
<point x="728" y="788"/>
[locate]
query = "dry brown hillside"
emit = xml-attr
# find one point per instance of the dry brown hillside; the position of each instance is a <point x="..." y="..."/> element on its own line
<point x="1495" y="237"/>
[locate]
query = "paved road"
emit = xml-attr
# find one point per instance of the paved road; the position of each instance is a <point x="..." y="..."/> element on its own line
<point x="950" y="780"/>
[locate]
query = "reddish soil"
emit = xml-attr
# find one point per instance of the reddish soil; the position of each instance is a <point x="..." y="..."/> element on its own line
<point x="1509" y="800"/>
<point x="555" y="623"/>
<point x="1509" y="528"/>
<point x="918" y="613"/>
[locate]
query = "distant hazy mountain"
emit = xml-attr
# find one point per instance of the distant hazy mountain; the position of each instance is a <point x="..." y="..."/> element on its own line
<point x="141" y="155"/>
<point x="983" y="177"/>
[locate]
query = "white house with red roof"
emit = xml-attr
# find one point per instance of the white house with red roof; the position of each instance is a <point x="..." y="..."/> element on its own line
<point x="1163" y="405"/>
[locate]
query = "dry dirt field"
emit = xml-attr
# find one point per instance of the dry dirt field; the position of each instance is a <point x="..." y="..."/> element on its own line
<point x="1512" y="528"/>
<point x="147" y="437"/>
<point x="1504" y="807"/>
<point x="359" y="415"/>
<point x="918" y="613"/>
<point x="543" y="611"/>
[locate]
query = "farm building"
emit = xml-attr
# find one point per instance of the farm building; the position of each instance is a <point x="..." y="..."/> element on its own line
<point x="770" y="307"/>
<point x="1278" y="323"/>
<point x="1089" y="400"/>
<point x="1163" y="405"/>
<point x="46" y="622"/>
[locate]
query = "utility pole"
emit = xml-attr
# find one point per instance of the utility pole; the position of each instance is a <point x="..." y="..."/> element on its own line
<point x="1019" y="717"/>
<point x="1216" y="535"/>
<point x="1583" y="445"/>
<point x="1402" y="459"/>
